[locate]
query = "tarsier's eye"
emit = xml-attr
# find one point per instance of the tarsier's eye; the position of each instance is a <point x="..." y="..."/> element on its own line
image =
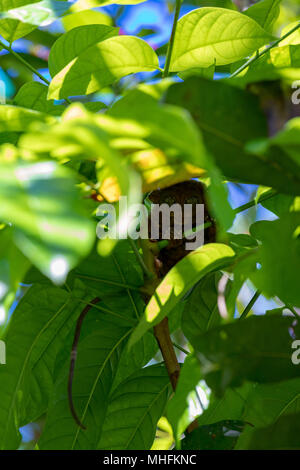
<point x="191" y="200"/>
<point x="170" y="200"/>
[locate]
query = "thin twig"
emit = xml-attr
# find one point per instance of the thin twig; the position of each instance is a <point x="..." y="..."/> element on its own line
<point x="172" y="39"/>
<point x="73" y="359"/>
<point x="264" y="197"/>
<point x="260" y="54"/>
<point x="185" y="351"/>
<point x="29" y="66"/>
<point x="250" y="305"/>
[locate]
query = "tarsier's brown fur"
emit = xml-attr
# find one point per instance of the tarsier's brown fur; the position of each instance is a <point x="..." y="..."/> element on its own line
<point x="188" y="192"/>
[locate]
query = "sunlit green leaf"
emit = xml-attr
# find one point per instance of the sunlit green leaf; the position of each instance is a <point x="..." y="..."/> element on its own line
<point x="75" y="42"/>
<point x="21" y="17"/>
<point x="18" y="119"/>
<point x="13" y="267"/>
<point x="86" y="17"/>
<point x="33" y="95"/>
<point x="103" y="64"/>
<point x="178" y="410"/>
<point x="179" y="280"/>
<point x="50" y="224"/>
<point x="208" y="36"/>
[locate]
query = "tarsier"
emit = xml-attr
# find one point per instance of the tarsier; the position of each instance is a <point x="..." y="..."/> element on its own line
<point x="189" y="192"/>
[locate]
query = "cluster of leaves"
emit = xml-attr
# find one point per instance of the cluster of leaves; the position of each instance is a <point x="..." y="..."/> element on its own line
<point x="59" y="160"/>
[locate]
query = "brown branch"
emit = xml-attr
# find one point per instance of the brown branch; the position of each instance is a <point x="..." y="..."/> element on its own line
<point x="73" y="359"/>
<point x="162" y="335"/>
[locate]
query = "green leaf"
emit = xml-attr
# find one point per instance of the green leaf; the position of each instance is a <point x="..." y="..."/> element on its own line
<point x="201" y="310"/>
<point x="278" y="63"/>
<point x="293" y="38"/>
<point x="179" y="280"/>
<point x="178" y="410"/>
<point x="205" y="72"/>
<point x="40" y="13"/>
<point x="229" y="118"/>
<point x="134" y="410"/>
<point x="279" y="278"/>
<point x="141" y="353"/>
<point x="75" y="42"/>
<point x="265" y="13"/>
<point x="36" y="332"/>
<point x="102" y="64"/>
<point x="83" y="4"/>
<point x="86" y="17"/>
<point x="102" y="340"/>
<point x="219" y="36"/>
<point x="279" y="204"/>
<point x="214" y="3"/>
<point x="168" y="127"/>
<point x="49" y="221"/>
<point x="230" y="406"/>
<point x="33" y="95"/>
<point x="11" y="29"/>
<point x="257" y="348"/>
<point x="289" y="138"/>
<point x="13" y="267"/>
<point x="243" y="270"/>
<point x="267" y="402"/>
<point x="218" y="197"/>
<point x="18" y="18"/>
<point x="79" y="135"/>
<point x="282" y="435"/>
<point x="113" y="274"/>
<point x="117" y="279"/>
<point x="218" y="436"/>
<point x="17" y="119"/>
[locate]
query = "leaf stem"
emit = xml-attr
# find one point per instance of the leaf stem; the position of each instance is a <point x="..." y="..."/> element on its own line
<point x="73" y="359"/>
<point x="260" y="54"/>
<point x="264" y="197"/>
<point x="172" y="39"/>
<point x="250" y="305"/>
<point x="29" y="66"/>
<point x="181" y="348"/>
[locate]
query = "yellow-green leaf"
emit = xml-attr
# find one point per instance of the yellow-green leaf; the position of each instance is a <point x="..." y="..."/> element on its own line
<point x="217" y="36"/>
<point x="179" y="280"/>
<point x="102" y="64"/>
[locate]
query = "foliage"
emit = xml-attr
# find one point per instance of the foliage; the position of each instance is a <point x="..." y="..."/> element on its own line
<point x="223" y="109"/>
